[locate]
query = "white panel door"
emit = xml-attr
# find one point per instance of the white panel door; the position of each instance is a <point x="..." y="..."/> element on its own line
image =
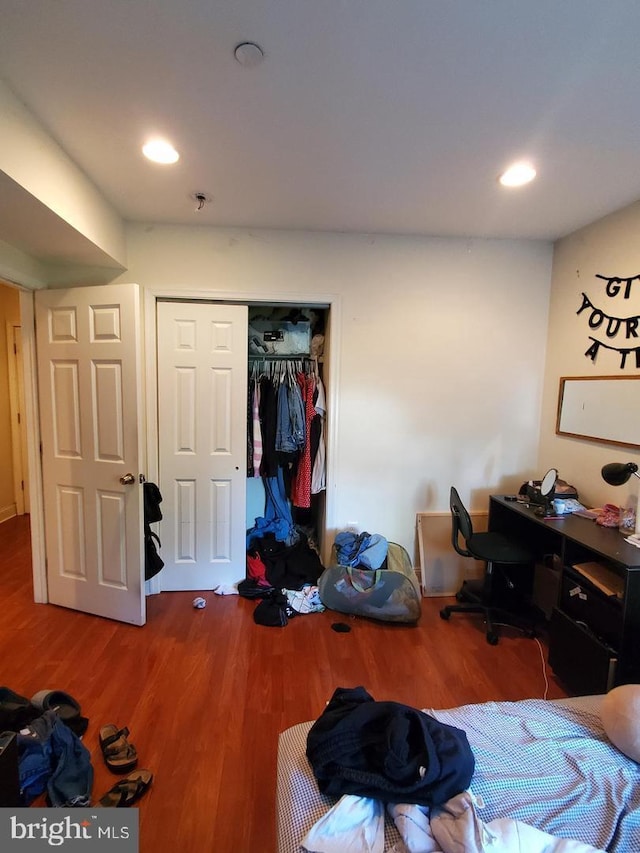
<point x="202" y="429"/>
<point x="89" y="353"/>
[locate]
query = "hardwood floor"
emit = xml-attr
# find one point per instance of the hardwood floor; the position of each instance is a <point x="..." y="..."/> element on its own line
<point x="206" y="692"/>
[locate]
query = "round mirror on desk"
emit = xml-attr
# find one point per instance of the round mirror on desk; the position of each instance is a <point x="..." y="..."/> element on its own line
<point x="548" y="484"/>
<point x="547" y="489"/>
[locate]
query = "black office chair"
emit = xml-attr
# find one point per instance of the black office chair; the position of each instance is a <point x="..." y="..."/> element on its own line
<point x="496" y="550"/>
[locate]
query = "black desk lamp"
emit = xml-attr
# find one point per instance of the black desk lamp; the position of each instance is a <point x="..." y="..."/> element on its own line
<point x="617" y="474"/>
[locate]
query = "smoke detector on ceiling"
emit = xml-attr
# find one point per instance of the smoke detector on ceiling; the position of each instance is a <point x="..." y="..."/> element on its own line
<point x="248" y="54"/>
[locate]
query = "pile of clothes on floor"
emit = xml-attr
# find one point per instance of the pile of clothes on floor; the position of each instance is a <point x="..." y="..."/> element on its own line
<point x="41" y="753"/>
<point x="283" y="567"/>
<point x="284" y="577"/>
<point x="50" y="757"/>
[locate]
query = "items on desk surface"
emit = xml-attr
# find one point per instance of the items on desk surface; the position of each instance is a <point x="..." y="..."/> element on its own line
<point x="557" y="508"/>
<point x="566" y="506"/>
<point x="550" y="488"/>
<point x="551" y="497"/>
<point x="591" y="514"/>
<point x="608" y="516"/>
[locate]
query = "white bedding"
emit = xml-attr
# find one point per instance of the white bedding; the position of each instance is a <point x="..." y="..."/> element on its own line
<point x="548" y="764"/>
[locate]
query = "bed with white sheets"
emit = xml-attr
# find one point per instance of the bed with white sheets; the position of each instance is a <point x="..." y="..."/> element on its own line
<point x="548" y="764"/>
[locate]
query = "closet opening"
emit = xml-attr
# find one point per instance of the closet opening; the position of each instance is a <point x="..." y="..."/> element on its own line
<point x="287" y="413"/>
<point x="203" y="420"/>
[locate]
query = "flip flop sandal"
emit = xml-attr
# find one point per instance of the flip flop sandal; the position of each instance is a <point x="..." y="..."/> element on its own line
<point x="119" y="755"/>
<point x="128" y="790"/>
<point x="65" y="706"/>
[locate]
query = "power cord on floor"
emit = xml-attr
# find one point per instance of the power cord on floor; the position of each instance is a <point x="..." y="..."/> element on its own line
<point x="544" y="668"/>
<point x="540" y="649"/>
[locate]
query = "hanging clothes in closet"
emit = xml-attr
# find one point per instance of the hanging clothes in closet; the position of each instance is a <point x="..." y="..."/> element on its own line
<point x="286" y="412"/>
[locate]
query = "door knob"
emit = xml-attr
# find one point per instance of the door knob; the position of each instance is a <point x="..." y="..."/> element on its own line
<point x="127" y="479"/>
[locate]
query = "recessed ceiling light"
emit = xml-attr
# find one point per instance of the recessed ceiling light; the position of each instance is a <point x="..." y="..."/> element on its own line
<point x="517" y="175"/>
<point x="160" y="151"/>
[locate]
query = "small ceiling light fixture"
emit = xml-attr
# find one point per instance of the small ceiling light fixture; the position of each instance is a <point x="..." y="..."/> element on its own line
<point x="160" y="151"/>
<point x="248" y="54"/>
<point x="201" y="199"/>
<point x="517" y="175"/>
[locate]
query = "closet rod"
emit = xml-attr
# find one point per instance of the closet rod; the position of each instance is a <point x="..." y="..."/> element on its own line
<point x="270" y="356"/>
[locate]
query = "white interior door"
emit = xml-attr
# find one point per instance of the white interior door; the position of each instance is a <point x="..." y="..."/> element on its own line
<point x="202" y="424"/>
<point x="88" y="354"/>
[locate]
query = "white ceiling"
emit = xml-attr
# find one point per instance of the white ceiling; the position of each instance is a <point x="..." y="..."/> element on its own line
<point x="365" y="115"/>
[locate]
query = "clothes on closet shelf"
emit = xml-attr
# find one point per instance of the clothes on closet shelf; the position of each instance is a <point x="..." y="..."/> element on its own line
<point x="286" y="412"/>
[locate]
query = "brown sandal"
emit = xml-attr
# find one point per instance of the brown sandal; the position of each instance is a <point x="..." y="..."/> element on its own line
<point x="119" y="755"/>
<point x="127" y="790"/>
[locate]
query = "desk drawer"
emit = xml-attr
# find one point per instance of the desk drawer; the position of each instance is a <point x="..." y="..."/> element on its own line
<point x="583" y="603"/>
<point x="580" y="660"/>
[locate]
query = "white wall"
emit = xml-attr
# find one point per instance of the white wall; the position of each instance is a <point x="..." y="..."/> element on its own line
<point x="32" y="160"/>
<point x="608" y="247"/>
<point x="9" y="313"/>
<point x="441" y="353"/>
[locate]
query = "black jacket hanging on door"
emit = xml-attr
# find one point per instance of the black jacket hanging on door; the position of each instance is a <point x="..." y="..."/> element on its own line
<point x="153" y="562"/>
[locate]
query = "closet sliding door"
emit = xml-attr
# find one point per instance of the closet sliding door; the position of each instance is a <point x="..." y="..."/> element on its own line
<point x="202" y="423"/>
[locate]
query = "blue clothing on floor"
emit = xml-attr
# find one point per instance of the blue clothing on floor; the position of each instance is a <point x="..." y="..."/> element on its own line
<point x="53" y="758"/>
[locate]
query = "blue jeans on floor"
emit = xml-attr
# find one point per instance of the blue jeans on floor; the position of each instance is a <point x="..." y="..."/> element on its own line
<point x="52" y="757"/>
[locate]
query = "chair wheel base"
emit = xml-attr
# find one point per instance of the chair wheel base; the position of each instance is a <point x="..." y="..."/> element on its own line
<point x="444" y="614"/>
<point x="492" y="638"/>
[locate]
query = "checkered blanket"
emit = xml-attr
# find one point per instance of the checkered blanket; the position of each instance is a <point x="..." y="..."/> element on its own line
<point x="548" y="764"/>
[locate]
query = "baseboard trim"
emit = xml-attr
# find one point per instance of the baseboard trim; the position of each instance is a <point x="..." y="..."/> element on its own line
<point x="7" y="512"/>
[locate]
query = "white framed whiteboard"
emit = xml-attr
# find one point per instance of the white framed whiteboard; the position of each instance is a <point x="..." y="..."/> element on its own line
<point x="600" y="408"/>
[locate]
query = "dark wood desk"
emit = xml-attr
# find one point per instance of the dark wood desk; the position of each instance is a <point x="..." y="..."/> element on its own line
<point x="594" y="639"/>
